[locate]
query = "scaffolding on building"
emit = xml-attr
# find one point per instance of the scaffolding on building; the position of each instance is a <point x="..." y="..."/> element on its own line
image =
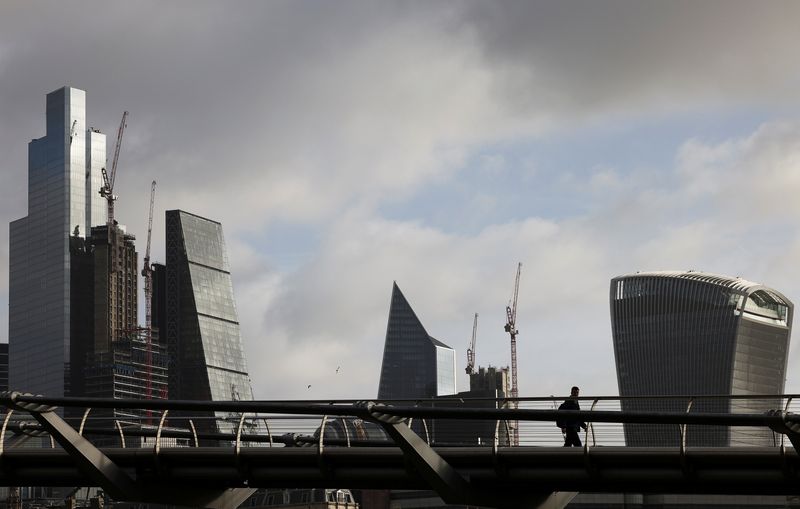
<point x="122" y="372"/>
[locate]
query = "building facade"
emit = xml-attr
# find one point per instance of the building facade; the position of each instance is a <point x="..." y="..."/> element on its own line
<point x="692" y="333"/>
<point x="129" y="369"/>
<point x="3" y="367"/>
<point x="115" y="285"/>
<point x="202" y="326"/>
<point x="159" y="303"/>
<point x="415" y="364"/>
<point x="64" y="179"/>
<point x="487" y="387"/>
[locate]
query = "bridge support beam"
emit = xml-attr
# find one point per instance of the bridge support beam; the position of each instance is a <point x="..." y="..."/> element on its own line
<point x="445" y="480"/>
<point x="102" y="471"/>
<point x="89" y="459"/>
<point x="788" y="425"/>
<point x="439" y="474"/>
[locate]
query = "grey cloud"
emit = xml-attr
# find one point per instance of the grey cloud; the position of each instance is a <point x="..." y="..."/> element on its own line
<point x="582" y="57"/>
<point x="267" y="103"/>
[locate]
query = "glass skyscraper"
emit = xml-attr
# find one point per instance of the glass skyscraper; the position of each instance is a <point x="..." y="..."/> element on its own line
<point x="692" y="333"/>
<point x="64" y="180"/>
<point x="415" y="365"/>
<point x="202" y="326"/>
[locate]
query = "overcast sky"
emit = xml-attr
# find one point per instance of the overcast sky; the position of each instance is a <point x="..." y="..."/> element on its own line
<point x="346" y="145"/>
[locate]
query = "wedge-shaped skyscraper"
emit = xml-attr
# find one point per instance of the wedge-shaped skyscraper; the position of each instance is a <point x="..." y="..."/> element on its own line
<point x="692" y="333"/>
<point x="415" y="365"/>
<point x="202" y="324"/>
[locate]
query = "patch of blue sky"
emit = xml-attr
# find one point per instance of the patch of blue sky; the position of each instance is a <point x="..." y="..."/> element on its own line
<point x="552" y="177"/>
<point x="287" y="245"/>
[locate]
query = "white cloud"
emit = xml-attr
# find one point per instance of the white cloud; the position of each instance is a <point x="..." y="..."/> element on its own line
<point x="753" y="179"/>
<point x="341" y="298"/>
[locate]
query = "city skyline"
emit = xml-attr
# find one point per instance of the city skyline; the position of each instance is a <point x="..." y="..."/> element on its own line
<point x="434" y="145"/>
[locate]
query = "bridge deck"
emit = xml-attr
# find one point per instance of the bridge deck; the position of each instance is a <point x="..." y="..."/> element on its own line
<point x="746" y="470"/>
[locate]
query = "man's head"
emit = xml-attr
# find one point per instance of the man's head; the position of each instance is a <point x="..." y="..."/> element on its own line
<point x="574" y="392"/>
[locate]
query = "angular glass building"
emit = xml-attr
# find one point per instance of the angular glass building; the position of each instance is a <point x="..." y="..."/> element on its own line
<point x="202" y="326"/>
<point x="415" y="365"/>
<point x="63" y="182"/>
<point x="692" y="333"/>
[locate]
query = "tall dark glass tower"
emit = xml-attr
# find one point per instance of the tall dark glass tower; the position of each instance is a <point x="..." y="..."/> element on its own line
<point x="415" y="365"/>
<point x="64" y="177"/>
<point x="202" y="326"/>
<point x="691" y="333"/>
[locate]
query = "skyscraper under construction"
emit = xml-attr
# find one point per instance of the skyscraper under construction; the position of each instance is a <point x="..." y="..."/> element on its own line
<point x="119" y="361"/>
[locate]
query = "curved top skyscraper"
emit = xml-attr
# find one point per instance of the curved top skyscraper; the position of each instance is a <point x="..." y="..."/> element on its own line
<point x="692" y="333"/>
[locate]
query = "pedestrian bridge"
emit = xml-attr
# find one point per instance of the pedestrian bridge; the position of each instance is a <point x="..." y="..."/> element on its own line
<point x="215" y="454"/>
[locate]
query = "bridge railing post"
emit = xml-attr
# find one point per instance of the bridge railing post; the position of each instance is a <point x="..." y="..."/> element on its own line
<point x="320" y="442"/>
<point x="157" y="446"/>
<point x="238" y="444"/>
<point x="83" y="420"/>
<point x="783" y="436"/>
<point x="9" y="411"/>
<point x="346" y="431"/>
<point x="269" y="432"/>
<point x="683" y="430"/>
<point x="194" y="433"/>
<point x="590" y="429"/>
<point x="121" y="434"/>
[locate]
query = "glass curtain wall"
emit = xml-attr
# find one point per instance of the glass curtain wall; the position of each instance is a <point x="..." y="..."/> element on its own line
<point x="697" y="334"/>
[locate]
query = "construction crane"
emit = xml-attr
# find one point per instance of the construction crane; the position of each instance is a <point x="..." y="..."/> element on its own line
<point x="471" y="349"/>
<point x="147" y="272"/>
<point x="107" y="191"/>
<point x="72" y="131"/>
<point x="511" y="328"/>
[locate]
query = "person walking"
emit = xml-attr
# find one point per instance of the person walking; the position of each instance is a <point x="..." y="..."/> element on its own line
<point x="571" y="426"/>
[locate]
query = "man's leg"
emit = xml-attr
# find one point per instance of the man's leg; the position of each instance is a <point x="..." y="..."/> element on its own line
<point x="573" y="438"/>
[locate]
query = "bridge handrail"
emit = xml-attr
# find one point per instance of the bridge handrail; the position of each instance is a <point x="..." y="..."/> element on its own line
<point x="285" y="406"/>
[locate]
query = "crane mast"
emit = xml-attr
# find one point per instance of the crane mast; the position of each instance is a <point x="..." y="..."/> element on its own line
<point x="107" y="191"/>
<point x="72" y="131"/>
<point x="511" y="328"/>
<point x="147" y="272"/>
<point x="471" y="349"/>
